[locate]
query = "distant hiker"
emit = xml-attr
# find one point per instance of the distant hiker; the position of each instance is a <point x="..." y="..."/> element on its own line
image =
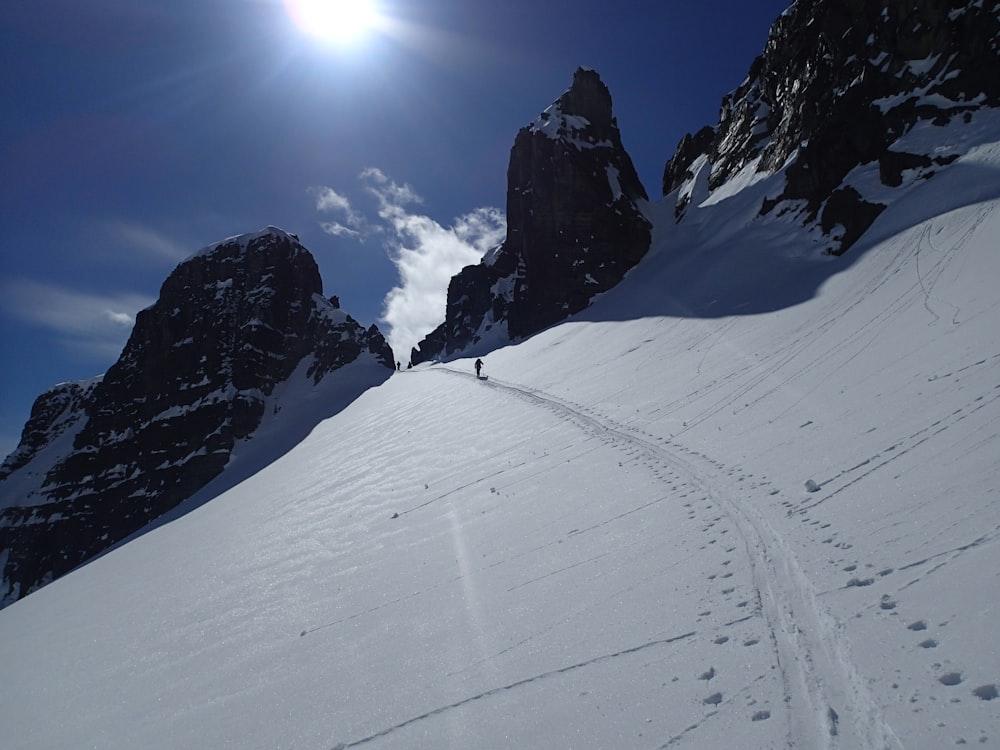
<point x="479" y="366"/>
<point x="397" y="367"/>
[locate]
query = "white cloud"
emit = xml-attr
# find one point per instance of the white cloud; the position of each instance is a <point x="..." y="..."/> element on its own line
<point x="120" y="318"/>
<point x="147" y="241"/>
<point x="339" y="230"/>
<point x="391" y="195"/>
<point x="426" y="255"/>
<point x="92" y="324"/>
<point x="329" y="200"/>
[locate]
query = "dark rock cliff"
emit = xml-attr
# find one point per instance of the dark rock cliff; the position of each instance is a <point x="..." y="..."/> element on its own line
<point x="837" y="85"/>
<point x="574" y="227"/>
<point x="100" y="460"/>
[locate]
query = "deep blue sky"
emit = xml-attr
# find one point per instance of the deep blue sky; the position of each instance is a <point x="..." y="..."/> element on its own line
<point x="134" y="132"/>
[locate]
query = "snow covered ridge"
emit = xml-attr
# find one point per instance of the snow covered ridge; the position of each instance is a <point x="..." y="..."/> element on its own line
<point x="255" y="241"/>
<point x="240" y="334"/>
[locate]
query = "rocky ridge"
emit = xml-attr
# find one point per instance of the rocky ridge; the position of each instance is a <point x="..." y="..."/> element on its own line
<point x="99" y="460"/>
<point x="575" y="226"/>
<point x="836" y="87"/>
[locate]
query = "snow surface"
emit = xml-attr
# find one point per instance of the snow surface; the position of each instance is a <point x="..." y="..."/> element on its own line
<point x="608" y="544"/>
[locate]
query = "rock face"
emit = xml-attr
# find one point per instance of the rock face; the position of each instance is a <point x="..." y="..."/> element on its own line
<point x="99" y="460"/>
<point x="574" y="227"/>
<point x="839" y="82"/>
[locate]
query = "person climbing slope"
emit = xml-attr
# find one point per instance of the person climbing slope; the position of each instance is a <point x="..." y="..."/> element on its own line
<point x="479" y="367"/>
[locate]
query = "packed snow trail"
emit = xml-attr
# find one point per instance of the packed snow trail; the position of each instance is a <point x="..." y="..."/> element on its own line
<point x="828" y="704"/>
<point x="612" y="557"/>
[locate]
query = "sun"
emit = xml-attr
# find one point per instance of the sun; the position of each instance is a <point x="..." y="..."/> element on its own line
<point x="336" y="21"/>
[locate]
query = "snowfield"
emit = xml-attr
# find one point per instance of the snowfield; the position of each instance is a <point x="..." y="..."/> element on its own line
<point x="608" y="544"/>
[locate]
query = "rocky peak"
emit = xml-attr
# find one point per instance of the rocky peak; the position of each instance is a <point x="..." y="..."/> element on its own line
<point x="574" y="227"/>
<point x="838" y="83"/>
<point x="198" y="375"/>
<point x="586" y="104"/>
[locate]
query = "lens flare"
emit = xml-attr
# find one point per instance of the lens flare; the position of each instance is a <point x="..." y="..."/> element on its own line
<point x="335" y="21"/>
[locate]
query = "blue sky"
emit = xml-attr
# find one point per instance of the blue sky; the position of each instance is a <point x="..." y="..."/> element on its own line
<point x="135" y="132"/>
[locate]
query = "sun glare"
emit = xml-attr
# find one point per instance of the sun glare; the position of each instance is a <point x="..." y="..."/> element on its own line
<point x="336" y="21"/>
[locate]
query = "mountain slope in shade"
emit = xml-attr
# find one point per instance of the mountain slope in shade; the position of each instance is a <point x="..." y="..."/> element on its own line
<point x="837" y="88"/>
<point x="774" y="529"/>
<point x="203" y="368"/>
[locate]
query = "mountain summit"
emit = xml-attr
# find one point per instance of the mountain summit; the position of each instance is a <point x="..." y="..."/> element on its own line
<point x="574" y="227"/>
<point x="239" y="332"/>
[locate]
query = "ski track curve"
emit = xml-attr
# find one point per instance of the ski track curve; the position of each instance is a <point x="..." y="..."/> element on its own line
<point x="827" y="701"/>
<point x="513" y="686"/>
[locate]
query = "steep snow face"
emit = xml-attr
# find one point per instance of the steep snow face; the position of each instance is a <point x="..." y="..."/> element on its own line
<point x="774" y="526"/>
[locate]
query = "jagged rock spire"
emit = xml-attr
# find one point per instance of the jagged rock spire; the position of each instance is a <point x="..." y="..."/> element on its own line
<point x="574" y="227"/>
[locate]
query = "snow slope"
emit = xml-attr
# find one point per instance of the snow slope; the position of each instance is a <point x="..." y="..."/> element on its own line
<point x="609" y="543"/>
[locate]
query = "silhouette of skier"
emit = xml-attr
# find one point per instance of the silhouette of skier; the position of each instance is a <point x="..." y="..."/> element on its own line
<point x="479" y="367"/>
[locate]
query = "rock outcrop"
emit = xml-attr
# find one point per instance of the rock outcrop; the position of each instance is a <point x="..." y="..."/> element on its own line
<point x="837" y="85"/>
<point x="100" y="460"/>
<point x="574" y="227"/>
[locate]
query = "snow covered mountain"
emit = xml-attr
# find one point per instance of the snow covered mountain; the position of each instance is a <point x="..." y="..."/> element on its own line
<point x="240" y="332"/>
<point x="760" y="529"/>
<point x="825" y="117"/>
<point x="747" y="497"/>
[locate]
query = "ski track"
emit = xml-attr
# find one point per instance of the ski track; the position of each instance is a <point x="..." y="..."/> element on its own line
<point x="513" y="686"/>
<point x="899" y="449"/>
<point x="827" y="702"/>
